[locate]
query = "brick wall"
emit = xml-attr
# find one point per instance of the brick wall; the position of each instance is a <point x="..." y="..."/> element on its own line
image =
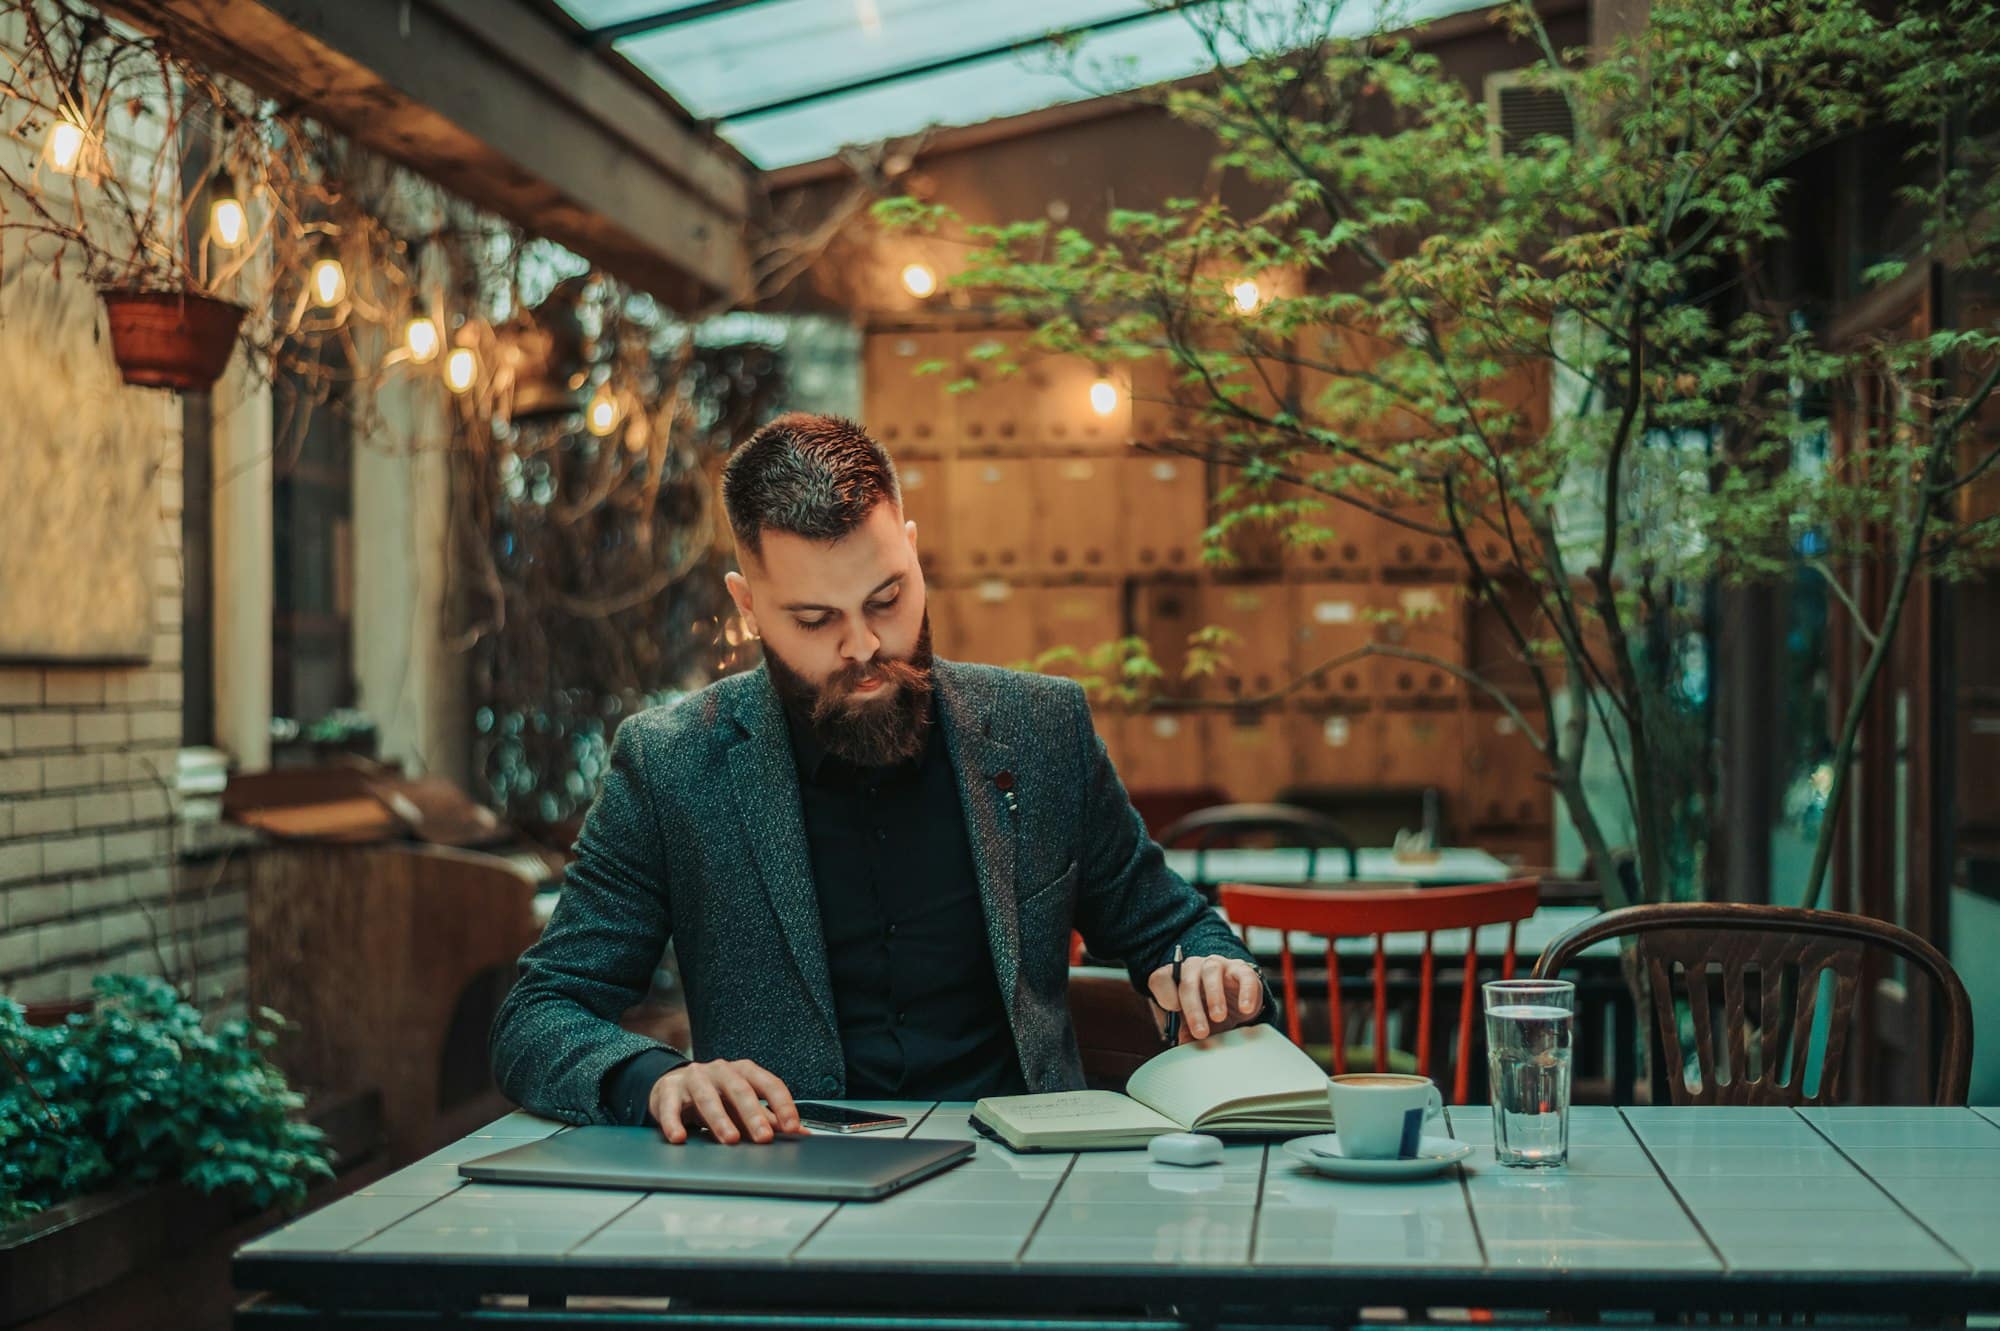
<point x="94" y="873"/>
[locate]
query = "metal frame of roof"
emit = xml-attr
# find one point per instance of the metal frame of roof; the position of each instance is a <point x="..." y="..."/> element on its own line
<point x="612" y="40"/>
<point x="604" y="36"/>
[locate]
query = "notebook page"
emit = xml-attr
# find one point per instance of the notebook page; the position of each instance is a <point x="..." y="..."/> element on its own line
<point x="1249" y="1063"/>
<point x="1067" y="1112"/>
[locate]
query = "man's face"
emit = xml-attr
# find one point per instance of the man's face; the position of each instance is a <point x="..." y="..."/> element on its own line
<point x="845" y="632"/>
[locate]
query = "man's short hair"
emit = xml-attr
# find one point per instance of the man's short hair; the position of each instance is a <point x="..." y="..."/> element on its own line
<point x="814" y="476"/>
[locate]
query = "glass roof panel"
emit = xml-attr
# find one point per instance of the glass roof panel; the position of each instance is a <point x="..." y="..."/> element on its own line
<point x="774" y="50"/>
<point x="781" y="48"/>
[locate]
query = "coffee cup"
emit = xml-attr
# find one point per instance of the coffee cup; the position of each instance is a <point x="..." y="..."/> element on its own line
<point x="1381" y="1115"/>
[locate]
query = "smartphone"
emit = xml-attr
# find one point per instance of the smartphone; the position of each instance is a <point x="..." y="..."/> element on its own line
<point x="839" y="1118"/>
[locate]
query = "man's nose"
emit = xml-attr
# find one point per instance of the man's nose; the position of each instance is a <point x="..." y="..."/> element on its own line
<point x="861" y="645"/>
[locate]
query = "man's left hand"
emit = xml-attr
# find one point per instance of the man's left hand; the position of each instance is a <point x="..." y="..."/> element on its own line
<point x="1215" y="994"/>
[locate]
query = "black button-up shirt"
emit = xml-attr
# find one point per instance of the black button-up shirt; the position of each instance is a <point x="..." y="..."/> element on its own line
<point x="914" y="990"/>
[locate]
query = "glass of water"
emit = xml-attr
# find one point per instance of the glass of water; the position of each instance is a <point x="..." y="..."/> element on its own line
<point x="1529" y="1029"/>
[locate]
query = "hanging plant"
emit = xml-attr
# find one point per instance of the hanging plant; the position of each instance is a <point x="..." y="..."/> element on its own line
<point x="171" y="339"/>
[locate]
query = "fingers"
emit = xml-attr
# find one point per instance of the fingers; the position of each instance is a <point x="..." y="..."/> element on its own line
<point x="1215" y="988"/>
<point x="741" y="1099"/>
<point x="1203" y="995"/>
<point x="1249" y="988"/>
<point x="668" y="1105"/>
<point x="729" y="1098"/>
<point x="708" y="1103"/>
<point x="784" y="1113"/>
<point x="1194" y="1011"/>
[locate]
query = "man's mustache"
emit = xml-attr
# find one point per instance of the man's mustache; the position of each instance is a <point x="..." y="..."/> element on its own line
<point x="845" y="680"/>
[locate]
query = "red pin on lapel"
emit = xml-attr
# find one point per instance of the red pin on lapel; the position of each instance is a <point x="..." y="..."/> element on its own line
<point x="1004" y="782"/>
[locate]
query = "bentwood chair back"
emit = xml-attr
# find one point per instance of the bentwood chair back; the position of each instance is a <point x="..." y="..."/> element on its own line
<point x="1333" y="914"/>
<point x="1222" y="825"/>
<point x="1774" y="966"/>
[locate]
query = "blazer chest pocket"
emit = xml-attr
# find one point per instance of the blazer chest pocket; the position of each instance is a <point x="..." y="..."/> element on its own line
<point x="1061" y="887"/>
<point x="1046" y="914"/>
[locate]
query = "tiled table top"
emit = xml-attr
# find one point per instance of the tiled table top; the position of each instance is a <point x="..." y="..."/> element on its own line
<point x="1893" y="1198"/>
<point x="1454" y="864"/>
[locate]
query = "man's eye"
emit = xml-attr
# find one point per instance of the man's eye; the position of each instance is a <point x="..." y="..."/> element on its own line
<point x="809" y="625"/>
<point x="883" y="607"/>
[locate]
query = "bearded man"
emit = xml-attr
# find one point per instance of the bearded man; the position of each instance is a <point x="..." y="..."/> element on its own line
<point x="869" y="860"/>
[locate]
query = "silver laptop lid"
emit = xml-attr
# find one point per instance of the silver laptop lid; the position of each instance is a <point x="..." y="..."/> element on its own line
<point x="819" y="1166"/>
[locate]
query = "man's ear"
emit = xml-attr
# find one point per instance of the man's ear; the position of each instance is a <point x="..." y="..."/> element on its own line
<point x="739" y="592"/>
<point x="910" y="530"/>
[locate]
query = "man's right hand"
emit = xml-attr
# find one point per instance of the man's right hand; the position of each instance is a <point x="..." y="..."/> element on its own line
<point x="734" y="1098"/>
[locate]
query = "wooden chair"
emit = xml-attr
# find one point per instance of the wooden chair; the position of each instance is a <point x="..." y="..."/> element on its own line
<point x="1376" y="912"/>
<point x="1202" y="829"/>
<point x="1781" y="955"/>
<point x="1116" y="1026"/>
<point x="390" y="960"/>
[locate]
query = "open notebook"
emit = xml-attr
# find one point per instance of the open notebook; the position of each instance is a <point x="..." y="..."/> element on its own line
<point x="1249" y="1080"/>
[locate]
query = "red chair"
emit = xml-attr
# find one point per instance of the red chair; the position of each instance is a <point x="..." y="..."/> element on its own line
<point x="1376" y="912"/>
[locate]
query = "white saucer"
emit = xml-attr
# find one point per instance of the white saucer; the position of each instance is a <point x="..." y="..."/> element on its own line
<point x="1434" y="1155"/>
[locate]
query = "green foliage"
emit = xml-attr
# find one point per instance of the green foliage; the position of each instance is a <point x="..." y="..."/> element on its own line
<point x="1562" y="359"/>
<point x="139" y="1089"/>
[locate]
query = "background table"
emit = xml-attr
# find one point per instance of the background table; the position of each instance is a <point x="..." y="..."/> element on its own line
<point x="1454" y="864"/>
<point x="1661" y="1211"/>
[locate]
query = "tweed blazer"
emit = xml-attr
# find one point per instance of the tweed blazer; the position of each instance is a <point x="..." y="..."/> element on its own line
<point x="698" y="838"/>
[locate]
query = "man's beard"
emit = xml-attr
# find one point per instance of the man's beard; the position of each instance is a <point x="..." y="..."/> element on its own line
<point x="876" y="733"/>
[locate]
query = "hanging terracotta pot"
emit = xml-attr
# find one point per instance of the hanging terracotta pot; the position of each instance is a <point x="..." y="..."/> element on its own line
<point x="171" y="339"/>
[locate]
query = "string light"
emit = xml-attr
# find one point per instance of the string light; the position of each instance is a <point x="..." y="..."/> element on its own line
<point x="461" y="369"/>
<point x="420" y="337"/>
<point x="228" y="223"/>
<point x="919" y="280"/>
<point x="602" y="414"/>
<point x="1104" y="397"/>
<point x="64" y="150"/>
<point x="329" y="281"/>
<point x="1246" y="295"/>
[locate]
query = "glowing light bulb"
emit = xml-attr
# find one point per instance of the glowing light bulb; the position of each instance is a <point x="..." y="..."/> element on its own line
<point x="461" y="369"/>
<point x="65" y="146"/>
<point x="602" y="416"/>
<point x="228" y="224"/>
<point x="420" y="336"/>
<point x="329" y="282"/>
<point x="919" y="280"/>
<point x="1246" y="295"/>
<point x="1104" y="397"/>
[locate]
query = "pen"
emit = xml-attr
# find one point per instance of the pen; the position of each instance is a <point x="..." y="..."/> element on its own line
<point x="1174" y="1017"/>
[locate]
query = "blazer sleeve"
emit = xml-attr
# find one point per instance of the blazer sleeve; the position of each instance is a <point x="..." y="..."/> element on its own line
<point x="556" y="1039"/>
<point x="1130" y="905"/>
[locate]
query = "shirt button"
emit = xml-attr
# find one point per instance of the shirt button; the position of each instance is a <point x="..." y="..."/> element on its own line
<point x="899" y="1018"/>
<point x="892" y="931"/>
<point x="881" y="834"/>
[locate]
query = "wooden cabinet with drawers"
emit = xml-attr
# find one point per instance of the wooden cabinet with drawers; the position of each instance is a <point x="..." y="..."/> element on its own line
<point x="1249" y="753"/>
<point x="908" y="413"/>
<point x="1164" y="750"/>
<point x="1331" y="620"/>
<point x="1165" y="503"/>
<point x="1503" y="774"/>
<point x="993" y="622"/>
<point x="1338" y="747"/>
<point x="1260" y="662"/>
<point x="1080" y="519"/>
<point x="994" y="510"/>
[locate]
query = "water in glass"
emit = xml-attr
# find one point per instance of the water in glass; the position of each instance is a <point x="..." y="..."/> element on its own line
<point x="1528" y="1061"/>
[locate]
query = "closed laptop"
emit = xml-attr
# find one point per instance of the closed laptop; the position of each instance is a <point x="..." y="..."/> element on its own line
<point x="828" y="1167"/>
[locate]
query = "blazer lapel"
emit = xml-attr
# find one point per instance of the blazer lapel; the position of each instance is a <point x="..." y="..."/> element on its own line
<point x="984" y="762"/>
<point x="765" y="783"/>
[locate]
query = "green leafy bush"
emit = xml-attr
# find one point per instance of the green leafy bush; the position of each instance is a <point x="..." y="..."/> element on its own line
<point x="138" y="1089"/>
